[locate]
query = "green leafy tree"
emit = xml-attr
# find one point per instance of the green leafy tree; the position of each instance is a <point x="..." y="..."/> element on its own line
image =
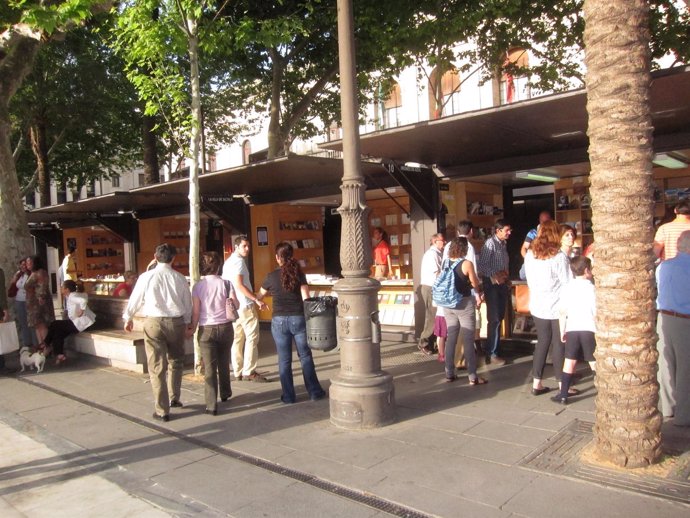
<point x="77" y="103"/>
<point x="25" y="26"/>
<point x="284" y="59"/>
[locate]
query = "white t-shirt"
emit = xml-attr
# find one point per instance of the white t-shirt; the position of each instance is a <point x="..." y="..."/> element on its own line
<point x="579" y="305"/>
<point x="546" y="279"/>
<point x="235" y="264"/>
<point x="431" y="266"/>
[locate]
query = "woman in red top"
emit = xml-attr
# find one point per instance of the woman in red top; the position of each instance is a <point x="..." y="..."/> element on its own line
<point x="124" y="289"/>
<point x="382" y="254"/>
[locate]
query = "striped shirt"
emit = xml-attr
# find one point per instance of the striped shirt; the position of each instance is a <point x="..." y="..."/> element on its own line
<point x="493" y="258"/>
<point x="668" y="235"/>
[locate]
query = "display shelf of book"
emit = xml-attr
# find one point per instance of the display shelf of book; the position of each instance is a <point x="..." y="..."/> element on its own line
<point x="482" y="205"/>
<point x="176" y="233"/>
<point x="303" y="230"/>
<point x="573" y="207"/>
<point x="103" y="253"/>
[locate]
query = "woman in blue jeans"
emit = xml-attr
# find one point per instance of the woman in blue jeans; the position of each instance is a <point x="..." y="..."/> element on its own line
<point x="288" y="286"/>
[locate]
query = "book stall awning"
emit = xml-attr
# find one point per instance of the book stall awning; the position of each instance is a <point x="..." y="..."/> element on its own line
<point x="543" y="132"/>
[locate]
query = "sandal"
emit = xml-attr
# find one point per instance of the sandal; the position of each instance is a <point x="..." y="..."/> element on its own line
<point x="61" y="358"/>
<point x="451" y="379"/>
<point x="573" y="392"/>
<point x="478" y="381"/>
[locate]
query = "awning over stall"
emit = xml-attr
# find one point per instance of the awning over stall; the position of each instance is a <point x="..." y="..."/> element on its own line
<point x="536" y="133"/>
<point x="222" y="192"/>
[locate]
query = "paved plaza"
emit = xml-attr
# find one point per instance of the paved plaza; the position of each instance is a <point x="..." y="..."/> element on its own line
<point x="79" y="440"/>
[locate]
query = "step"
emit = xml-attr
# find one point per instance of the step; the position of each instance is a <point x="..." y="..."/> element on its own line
<point x="118" y="348"/>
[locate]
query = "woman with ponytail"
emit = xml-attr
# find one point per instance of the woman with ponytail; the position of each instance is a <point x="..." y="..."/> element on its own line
<point x="288" y="286"/>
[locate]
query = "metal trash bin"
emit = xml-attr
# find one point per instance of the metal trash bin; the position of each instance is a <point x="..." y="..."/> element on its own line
<point x="319" y="313"/>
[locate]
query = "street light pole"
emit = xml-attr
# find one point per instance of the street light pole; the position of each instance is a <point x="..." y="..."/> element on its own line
<point x="361" y="395"/>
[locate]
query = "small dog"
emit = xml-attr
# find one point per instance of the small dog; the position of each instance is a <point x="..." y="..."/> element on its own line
<point x="36" y="360"/>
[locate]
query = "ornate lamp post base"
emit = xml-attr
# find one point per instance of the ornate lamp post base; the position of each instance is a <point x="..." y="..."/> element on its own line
<point x="361" y="395"/>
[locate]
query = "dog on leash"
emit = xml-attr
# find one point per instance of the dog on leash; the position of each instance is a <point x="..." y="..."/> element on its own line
<point x="36" y="360"/>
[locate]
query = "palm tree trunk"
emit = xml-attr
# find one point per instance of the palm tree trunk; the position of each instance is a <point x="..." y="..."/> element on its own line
<point x="627" y="429"/>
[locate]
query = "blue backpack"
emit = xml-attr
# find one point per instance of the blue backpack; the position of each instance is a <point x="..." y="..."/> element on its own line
<point x="443" y="292"/>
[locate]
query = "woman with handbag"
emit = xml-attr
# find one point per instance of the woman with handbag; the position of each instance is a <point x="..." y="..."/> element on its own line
<point x="17" y="291"/>
<point x="211" y="297"/>
<point x="40" y="311"/>
<point x="289" y="288"/>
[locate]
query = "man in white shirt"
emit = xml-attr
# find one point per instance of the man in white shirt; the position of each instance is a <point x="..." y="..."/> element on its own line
<point x="245" y="345"/>
<point x="431" y="266"/>
<point x="164" y="298"/>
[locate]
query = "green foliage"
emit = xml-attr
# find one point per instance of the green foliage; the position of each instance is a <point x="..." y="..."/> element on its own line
<point x="48" y="17"/>
<point x="151" y="37"/>
<point x="78" y="92"/>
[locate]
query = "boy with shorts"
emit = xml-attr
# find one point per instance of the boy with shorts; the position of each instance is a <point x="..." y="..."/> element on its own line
<point x="577" y="322"/>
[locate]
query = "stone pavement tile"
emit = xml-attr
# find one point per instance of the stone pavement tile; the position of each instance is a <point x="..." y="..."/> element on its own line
<point x="36" y="481"/>
<point x="83" y="496"/>
<point x="300" y="501"/>
<point x="7" y="511"/>
<point x="360" y="449"/>
<point x="494" y="451"/>
<point x="224" y="483"/>
<point x="159" y="454"/>
<point x="543" y="421"/>
<point x="333" y="471"/>
<point x="442" y="421"/>
<point x="510" y="433"/>
<point x="566" y="498"/>
<point x="261" y="448"/>
<point x="462" y="444"/>
<point x="100" y="384"/>
<point x="480" y="481"/>
<point x="26" y="397"/>
<point x="426" y="498"/>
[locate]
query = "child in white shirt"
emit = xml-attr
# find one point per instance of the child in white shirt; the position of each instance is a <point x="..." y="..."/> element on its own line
<point x="577" y="322"/>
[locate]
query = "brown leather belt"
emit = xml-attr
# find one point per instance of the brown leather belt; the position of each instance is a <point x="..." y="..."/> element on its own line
<point x="673" y="313"/>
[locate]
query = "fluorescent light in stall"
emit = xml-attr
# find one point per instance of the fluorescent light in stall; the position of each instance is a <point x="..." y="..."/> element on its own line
<point x="669" y="161"/>
<point x="537" y="177"/>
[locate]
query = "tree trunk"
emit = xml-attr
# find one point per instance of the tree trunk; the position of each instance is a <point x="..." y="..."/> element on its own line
<point x="39" y="146"/>
<point x="275" y="136"/>
<point x="16" y="60"/>
<point x="627" y="429"/>
<point x="194" y="203"/>
<point x="151" y="168"/>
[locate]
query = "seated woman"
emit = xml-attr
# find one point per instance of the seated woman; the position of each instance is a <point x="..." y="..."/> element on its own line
<point x="124" y="289"/>
<point x="79" y="318"/>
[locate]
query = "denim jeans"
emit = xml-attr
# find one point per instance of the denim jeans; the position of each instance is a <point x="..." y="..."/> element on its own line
<point x="496" y="297"/>
<point x="284" y="329"/>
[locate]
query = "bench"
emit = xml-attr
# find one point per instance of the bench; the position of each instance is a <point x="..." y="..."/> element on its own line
<point x="108" y="343"/>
